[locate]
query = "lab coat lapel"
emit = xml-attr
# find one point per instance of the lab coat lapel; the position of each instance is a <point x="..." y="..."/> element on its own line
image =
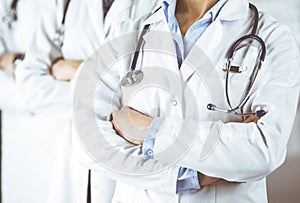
<point x="211" y="38"/>
<point x="234" y="10"/>
<point x="157" y="16"/>
<point x="98" y="21"/>
<point x="160" y="41"/>
<point x="118" y="9"/>
<point x="202" y="50"/>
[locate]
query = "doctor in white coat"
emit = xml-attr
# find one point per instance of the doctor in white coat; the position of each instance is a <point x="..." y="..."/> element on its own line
<point x="69" y="32"/>
<point x="226" y="158"/>
<point x="25" y="173"/>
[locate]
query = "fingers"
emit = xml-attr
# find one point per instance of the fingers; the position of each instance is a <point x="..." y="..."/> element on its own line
<point x="220" y="182"/>
<point x="123" y="128"/>
<point x="212" y="181"/>
<point x="206" y="180"/>
<point x="252" y="118"/>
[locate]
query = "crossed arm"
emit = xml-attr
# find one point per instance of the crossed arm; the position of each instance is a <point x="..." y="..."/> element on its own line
<point x="127" y="117"/>
<point x="60" y="69"/>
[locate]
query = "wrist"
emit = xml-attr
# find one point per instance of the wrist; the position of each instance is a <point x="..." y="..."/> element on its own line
<point x="17" y="59"/>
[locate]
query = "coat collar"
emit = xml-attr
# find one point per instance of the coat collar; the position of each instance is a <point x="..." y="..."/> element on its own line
<point x="232" y="10"/>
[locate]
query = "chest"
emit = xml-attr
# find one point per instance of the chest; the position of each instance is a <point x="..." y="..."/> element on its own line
<point x="185" y="91"/>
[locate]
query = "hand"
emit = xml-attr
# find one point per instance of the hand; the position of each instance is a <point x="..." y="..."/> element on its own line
<point x="252" y="118"/>
<point x="207" y="180"/>
<point x="131" y="124"/>
<point x="64" y="69"/>
<point x="211" y="181"/>
<point x="7" y="62"/>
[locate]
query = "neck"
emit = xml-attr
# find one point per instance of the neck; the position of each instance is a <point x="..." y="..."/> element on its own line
<point x="197" y="8"/>
<point x="189" y="11"/>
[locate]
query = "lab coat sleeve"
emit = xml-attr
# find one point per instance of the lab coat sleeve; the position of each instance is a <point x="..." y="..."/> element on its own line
<point x="247" y="151"/>
<point x="9" y="98"/>
<point x="187" y="178"/>
<point x="2" y="42"/>
<point x="40" y="91"/>
<point x="107" y="100"/>
<point x="9" y="94"/>
<point x="2" y="45"/>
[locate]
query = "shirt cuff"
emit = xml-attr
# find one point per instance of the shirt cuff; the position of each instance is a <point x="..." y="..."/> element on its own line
<point x="187" y="180"/>
<point x="148" y="144"/>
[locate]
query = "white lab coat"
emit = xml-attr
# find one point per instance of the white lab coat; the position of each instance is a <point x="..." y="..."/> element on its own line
<point x="239" y="152"/>
<point x="24" y="168"/>
<point x="85" y="30"/>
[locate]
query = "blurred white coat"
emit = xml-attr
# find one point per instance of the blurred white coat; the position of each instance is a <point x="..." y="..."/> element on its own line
<point x="85" y="30"/>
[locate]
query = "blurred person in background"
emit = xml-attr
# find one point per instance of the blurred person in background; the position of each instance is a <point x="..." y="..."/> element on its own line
<point x="24" y="174"/>
<point x="69" y="32"/>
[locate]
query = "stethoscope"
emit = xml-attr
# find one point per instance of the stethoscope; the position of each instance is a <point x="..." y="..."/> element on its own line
<point x="11" y="16"/>
<point x="60" y="31"/>
<point x="135" y="76"/>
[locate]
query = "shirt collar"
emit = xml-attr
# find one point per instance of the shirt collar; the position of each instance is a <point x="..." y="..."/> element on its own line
<point x="232" y="10"/>
<point x="169" y="7"/>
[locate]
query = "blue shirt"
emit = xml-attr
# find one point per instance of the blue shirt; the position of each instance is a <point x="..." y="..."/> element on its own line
<point x="187" y="178"/>
<point x="185" y="44"/>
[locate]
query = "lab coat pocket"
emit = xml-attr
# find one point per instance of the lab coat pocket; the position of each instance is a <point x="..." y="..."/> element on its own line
<point x="244" y="61"/>
<point x="241" y="73"/>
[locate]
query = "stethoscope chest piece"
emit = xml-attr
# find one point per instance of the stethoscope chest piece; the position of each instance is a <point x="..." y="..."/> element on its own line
<point x="10" y="17"/>
<point x="132" y="77"/>
<point x="59" y="35"/>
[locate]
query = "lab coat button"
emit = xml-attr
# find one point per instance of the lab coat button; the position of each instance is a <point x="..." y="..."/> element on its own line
<point x="174" y="102"/>
<point x="150" y="152"/>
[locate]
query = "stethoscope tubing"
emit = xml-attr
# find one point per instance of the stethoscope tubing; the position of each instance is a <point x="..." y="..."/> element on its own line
<point x="253" y="76"/>
<point x="231" y="52"/>
<point x="11" y="16"/>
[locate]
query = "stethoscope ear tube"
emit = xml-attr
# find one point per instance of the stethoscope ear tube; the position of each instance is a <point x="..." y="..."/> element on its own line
<point x="212" y="107"/>
<point x="13" y="7"/>
<point x="65" y="12"/>
<point x="247" y="37"/>
<point x="11" y="16"/>
<point x="60" y="31"/>
<point x="138" y="47"/>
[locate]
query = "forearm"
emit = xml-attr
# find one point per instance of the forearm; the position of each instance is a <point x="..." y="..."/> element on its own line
<point x="164" y="180"/>
<point x="42" y="93"/>
<point x="64" y="70"/>
<point x="232" y="151"/>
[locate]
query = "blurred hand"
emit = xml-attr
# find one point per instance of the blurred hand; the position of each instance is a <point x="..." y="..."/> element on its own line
<point x="131" y="124"/>
<point x="7" y="62"/>
<point x="64" y="69"/>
